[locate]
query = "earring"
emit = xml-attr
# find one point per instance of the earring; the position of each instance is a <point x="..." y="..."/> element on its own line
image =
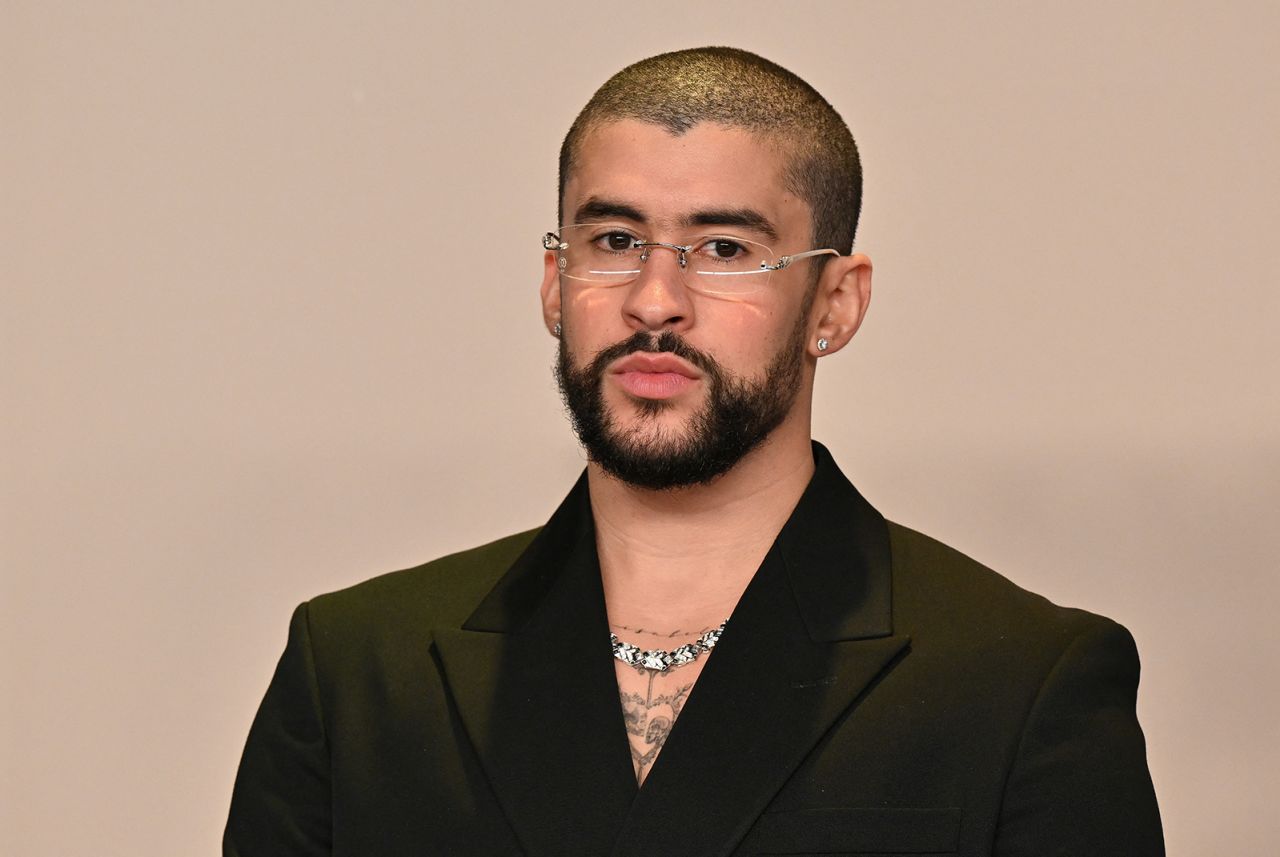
<point x="822" y="344"/>
<point x="557" y="330"/>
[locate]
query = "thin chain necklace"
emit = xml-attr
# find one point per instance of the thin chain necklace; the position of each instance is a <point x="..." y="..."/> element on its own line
<point x="661" y="660"/>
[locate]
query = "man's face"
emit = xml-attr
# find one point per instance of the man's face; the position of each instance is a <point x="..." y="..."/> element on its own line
<point x="669" y="386"/>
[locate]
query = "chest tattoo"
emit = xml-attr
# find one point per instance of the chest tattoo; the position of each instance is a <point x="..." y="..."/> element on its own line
<point x="649" y="717"/>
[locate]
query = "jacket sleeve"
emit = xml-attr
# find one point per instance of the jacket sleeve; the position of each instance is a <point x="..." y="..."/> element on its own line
<point x="280" y="803"/>
<point x="1079" y="785"/>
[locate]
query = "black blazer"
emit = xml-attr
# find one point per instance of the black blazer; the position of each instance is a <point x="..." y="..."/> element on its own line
<point x="874" y="692"/>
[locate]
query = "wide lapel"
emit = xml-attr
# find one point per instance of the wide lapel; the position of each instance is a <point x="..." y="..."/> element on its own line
<point x="535" y="689"/>
<point x="809" y="636"/>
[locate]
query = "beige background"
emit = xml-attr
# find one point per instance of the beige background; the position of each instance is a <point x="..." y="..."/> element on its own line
<point x="270" y="327"/>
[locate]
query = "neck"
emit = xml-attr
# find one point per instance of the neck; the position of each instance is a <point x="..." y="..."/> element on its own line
<point x="682" y="557"/>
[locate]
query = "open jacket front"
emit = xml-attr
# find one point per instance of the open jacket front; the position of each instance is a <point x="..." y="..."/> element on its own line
<point x="874" y="692"/>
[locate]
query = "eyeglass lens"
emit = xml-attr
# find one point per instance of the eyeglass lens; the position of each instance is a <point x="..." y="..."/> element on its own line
<point x="612" y="253"/>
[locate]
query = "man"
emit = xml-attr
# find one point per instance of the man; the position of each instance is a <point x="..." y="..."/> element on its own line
<point x="715" y="645"/>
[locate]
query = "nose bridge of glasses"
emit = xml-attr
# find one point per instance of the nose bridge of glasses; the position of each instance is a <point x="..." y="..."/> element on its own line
<point x="658" y="289"/>
<point x="700" y="276"/>
<point x="646" y="249"/>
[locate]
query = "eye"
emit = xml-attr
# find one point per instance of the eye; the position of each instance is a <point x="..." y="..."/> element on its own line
<point x="614" y="241"/>
<point x="726" y="249"/>
<point x="722" y="249"/>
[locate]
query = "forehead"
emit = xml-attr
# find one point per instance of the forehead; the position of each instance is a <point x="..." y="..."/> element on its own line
<point x="669" y="178"/>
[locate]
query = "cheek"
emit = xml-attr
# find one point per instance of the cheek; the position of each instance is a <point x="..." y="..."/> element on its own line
<point x="743" y="335"/>
<point x="593" y="316"/>
<point x="595" y="305"/>
<point x="592" y="321"/>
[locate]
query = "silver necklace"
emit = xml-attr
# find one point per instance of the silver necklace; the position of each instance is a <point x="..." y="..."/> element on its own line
<point x="660" y="660"/>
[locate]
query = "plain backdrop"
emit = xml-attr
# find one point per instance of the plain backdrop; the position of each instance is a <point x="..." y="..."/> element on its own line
<point x="270" y="327"/>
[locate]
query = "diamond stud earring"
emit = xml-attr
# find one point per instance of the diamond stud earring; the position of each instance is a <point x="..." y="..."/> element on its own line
<point x="822" y="344"/>
<point x="557" y="330"/>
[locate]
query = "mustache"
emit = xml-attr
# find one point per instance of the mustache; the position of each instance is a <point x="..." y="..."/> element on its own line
<point x="668" y="342"/>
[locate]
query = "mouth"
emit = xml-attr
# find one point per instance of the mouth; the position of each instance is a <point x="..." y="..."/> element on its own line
<point x="654" y="376"/>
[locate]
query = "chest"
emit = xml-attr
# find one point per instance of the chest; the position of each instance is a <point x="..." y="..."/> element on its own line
<point x="651" y="703"/>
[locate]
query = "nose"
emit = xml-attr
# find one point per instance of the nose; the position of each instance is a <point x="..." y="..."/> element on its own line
<point x="657" y="299"/>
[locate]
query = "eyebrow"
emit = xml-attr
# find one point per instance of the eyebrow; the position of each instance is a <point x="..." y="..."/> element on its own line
<point x="596" y="209"/>
<point x="748" y="218"/>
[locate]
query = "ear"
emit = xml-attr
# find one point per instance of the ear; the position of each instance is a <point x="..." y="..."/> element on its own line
<point x="550" y="292"/>
<point x="844" y="291"/>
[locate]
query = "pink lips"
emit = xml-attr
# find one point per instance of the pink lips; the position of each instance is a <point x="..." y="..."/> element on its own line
<point x="654" y="376"/>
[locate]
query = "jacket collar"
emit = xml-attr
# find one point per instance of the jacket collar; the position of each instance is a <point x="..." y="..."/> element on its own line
<point x="835" y="547"/>
<point x="563" y="552"/>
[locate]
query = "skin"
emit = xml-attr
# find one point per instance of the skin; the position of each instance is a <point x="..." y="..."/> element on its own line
<point x="675" y="562"/>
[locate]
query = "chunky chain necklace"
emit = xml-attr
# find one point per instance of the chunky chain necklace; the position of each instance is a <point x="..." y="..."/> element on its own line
<point x="660" y="660"/>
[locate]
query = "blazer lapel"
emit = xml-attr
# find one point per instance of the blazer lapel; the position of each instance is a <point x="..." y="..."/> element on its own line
<point x="535" y="689"/>
<point x="810" y="635"/>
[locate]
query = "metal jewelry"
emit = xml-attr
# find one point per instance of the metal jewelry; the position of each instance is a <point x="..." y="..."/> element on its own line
<point x="659" y="660"/>
<point x="557" y="330"/>
<point x="822" y="344"/>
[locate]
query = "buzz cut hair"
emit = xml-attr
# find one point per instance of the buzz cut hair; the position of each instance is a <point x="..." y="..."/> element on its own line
<point x="739" y="89"/>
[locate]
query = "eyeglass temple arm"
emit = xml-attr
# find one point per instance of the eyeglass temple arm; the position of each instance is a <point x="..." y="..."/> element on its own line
<point x="784" y="261"/>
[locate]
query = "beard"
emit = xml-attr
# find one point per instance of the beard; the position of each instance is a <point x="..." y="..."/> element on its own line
<point x="738" y="414"/>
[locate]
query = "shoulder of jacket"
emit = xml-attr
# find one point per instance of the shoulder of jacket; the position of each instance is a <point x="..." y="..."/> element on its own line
<point x="933" y="579"/>
<point x="444" y="590"/>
